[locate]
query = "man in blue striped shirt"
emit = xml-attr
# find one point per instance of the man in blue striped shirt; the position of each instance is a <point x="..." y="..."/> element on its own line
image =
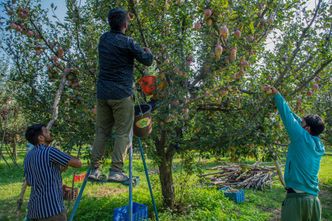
<point x="42" y="170"/>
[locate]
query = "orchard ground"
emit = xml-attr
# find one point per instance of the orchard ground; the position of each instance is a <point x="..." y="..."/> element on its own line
<point x="196" y="201"/>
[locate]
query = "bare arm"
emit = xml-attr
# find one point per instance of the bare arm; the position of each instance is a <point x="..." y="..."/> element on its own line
<point x="74" y="162"/>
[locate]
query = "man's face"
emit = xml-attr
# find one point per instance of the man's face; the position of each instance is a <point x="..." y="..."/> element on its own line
<point x="46" y="135"/>
<point x="126" y="25"/>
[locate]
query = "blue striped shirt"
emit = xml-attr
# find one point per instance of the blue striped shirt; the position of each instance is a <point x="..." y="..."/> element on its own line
<point x="42" y="172"/>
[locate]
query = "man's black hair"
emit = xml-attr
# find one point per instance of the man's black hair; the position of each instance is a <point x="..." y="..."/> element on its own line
<point x="117" y="17"/>
<point x="315" y="123"/>
<point x="32" y="133"/>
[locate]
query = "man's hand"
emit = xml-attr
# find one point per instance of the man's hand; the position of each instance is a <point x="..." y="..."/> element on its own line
<point x="147" y="50"/>
<point x="62" y="168"/>
<point x="268" y="89"/>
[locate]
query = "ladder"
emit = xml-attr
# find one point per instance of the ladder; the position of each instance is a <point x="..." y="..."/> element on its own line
<point x="130" y="205"/>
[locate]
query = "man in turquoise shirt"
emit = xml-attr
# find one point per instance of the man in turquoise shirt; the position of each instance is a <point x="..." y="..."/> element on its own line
<point x="302" y="163"/>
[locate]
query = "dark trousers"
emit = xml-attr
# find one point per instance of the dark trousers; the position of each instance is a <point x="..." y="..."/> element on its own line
<point x="117" y="115"/>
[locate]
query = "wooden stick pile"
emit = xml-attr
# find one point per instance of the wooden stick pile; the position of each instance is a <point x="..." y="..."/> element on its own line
<point x="241" y="176"/>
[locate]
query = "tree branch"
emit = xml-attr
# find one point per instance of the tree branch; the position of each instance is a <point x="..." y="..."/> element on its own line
<point x="77" y="24"/>
<point x="55" y="108"/>
<point x="297" y="49"/>
<point x="311" y="77"/>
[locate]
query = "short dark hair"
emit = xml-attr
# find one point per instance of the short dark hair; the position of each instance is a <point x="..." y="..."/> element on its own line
<point x="315" y="123"/>
<point x="117" y="17"/>
<point x="32" y="133"/>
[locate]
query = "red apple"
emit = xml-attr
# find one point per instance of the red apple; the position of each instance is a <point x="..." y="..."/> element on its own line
<point x="38" y="49"/>
<point x="299" y="102"/>
<point x="19" y="28"/>
<point x="37" y="35"/>
<point x="60" y="52"/>
<point x="237" y="33"/>
<point x="23" y="13"/>
<point x="189" y="59"/>
<point x="39" y="52"/>
<point x="267" y="89"/>
<point x="315" y="87"/>
<point x="30" y="33"/>
<point x="232" y="56"/>
<point x="55" y="60"/>
<point x="207" y="13"/>
<point x="223" y="31"/>
<point x="218" y="50"/>
<point x="244" y="63"/>
<point x="13" y="26"/>
<point x="198" y="25"/>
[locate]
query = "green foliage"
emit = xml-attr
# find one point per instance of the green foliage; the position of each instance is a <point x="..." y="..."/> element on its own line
<point x="199" y="203"/>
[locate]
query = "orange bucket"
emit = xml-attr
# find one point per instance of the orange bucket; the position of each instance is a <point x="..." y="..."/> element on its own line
<point x="148" y="84"/>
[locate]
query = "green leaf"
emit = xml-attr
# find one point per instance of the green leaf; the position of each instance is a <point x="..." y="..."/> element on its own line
<point x="251" y="27"/>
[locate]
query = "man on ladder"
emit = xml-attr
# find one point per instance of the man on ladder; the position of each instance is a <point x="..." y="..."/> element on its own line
<point x="115" y="106"/>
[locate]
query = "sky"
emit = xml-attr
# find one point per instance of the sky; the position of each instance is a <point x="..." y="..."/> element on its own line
<point x="61" y="7"/>
<point x="46" y="4"/>
<point x="269" y="41"/>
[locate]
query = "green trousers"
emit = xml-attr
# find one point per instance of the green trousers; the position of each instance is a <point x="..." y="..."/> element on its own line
<point x="117" y="115"/>
<point x="301" y="207"/>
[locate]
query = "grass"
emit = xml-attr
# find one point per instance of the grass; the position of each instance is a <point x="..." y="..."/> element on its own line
<point x="197" y="202"/>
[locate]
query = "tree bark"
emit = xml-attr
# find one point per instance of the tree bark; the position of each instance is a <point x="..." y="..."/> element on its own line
<point x="166" y="180"/>
<point x="165" y="170"/>
<point x="14" y="147"/>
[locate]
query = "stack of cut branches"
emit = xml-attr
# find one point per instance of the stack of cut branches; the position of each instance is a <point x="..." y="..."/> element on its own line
<point x="254" y="176"/>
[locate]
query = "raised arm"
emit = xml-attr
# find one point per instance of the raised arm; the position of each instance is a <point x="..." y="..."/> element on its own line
<point x="142" y="55"/>
<point x="291" y="121"/>
<point x="297" y="118"/>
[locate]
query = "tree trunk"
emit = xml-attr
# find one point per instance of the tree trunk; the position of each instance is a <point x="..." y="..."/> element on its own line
<point x="14" y="149"/>
<point x="166" y="180"/>
<point x="165" y="153"/>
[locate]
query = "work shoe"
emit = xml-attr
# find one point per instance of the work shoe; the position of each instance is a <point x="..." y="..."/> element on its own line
<point x="95" y="174"/>
<point x="118" y="177"/>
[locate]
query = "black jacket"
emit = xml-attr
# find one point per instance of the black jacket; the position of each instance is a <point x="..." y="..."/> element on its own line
<point x="116" y="64"/>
